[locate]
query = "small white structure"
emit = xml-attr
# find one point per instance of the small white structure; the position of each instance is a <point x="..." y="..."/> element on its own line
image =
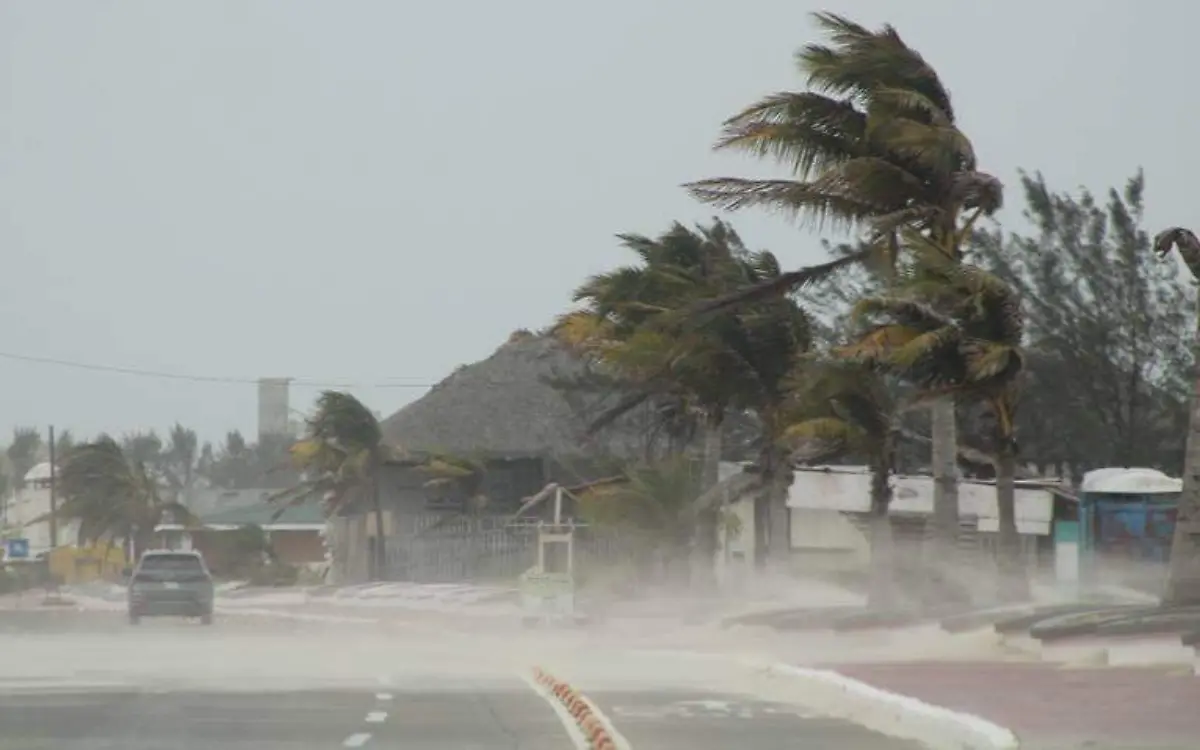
<point x="32" y="502"/>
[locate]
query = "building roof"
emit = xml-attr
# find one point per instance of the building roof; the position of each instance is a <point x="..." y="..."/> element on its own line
<point x="1130" y="481"/>
<point x="39" y="473"/>
<point x="308" y="513"/>
<point x="513" y="405"/>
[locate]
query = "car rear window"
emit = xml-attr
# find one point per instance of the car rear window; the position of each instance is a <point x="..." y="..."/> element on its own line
<point x="174" y="567"/>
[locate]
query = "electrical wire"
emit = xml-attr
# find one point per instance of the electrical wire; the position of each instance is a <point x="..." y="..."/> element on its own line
<point x="162" y="375"/>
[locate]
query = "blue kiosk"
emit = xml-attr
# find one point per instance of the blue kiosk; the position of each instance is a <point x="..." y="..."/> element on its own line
<point x="1126" y="519"/>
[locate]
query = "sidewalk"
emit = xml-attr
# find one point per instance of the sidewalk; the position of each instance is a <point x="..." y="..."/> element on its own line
<point x="1050" y="707"/>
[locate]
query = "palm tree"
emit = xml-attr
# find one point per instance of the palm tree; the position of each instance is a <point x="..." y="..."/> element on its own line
<point x="342" y="456"/>
<point x="180" y="457"/>
<point x="770" y="338"/>
<point x="23" y="453"/>
<point x="656" y="501"/>
<point x="638" y="322"/>
<point x="456" y="476"/>
<point x="955" y="329"/>
<point x="114" y="497"/>
<point x="630" y="324"/>
<point x="1183" y="578"/>
<point x="840" y="409"/>
<point x="873" y="144"/>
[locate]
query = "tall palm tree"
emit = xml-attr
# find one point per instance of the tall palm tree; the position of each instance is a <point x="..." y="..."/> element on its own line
<point x="955" y="329"/>
<point x="114" y="497"/>
<point x="342" y="456"/>
<point x="872" y="144"/>
<point x="842" y="409"/>
<point x="771" y="338"/>
<point x="1183" y="578"/>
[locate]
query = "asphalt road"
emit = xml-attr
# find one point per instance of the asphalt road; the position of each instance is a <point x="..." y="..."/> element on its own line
<point x="463" y="719"/>
<point x="115" y="686"/>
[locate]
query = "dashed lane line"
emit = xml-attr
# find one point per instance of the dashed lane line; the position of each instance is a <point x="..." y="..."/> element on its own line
<point x="356" y="740"/>
<point x="376" y="717"/>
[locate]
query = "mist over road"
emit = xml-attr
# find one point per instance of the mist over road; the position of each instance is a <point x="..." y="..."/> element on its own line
<point x="77" y="679"/>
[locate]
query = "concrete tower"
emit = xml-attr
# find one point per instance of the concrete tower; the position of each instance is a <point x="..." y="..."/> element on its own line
<point x="273" y="412"/>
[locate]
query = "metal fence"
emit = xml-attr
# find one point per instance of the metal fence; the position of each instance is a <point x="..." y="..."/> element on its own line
<point x="440" y="549"/>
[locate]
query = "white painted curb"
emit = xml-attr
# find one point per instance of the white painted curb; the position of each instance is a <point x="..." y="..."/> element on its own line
<point x="895" y="714"/>
<point x="617" y="738"/>
<point x="568" y="721"/>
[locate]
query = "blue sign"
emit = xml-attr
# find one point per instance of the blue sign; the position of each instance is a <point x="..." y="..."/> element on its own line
<point x="18" y="549"/>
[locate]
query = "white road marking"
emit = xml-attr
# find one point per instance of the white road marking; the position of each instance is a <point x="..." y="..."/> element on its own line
<point x="383" y="696"/>
<point x="376" y="717"/>
<point x="356" y="740"/>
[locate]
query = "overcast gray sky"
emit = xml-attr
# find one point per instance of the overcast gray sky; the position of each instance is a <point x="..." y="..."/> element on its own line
<point x="375" y="191"/>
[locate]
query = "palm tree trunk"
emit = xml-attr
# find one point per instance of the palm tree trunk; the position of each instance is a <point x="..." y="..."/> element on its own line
<point x="380" y="560"/>
<point x="941" y="535"/>
<point x="881" y="588"/>
<point x="1013" y="582"/>
<point x="772" y="532"/>
<point x="1183" y="576"/>
<point x="704" y="546"/>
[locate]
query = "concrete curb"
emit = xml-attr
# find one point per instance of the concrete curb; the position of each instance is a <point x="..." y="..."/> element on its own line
<point x="895" y="714"/>
<point x="594" y="728"/>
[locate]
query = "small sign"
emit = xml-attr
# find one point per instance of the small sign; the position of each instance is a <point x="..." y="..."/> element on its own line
<point x="18" y="549"/>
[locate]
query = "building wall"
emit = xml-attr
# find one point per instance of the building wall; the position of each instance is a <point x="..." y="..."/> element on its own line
<point x="298" y="547"/>
<point x="33" y="501"/>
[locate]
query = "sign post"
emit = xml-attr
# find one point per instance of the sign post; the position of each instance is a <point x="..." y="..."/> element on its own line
<point x="548" y="588"/>
<point x="16" y="549"/>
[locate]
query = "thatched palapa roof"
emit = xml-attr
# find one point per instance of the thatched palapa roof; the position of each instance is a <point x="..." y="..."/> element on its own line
<point x="511" y="405"/>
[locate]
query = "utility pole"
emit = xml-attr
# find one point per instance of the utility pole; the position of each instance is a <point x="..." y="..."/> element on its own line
<point x="53" y="494"/>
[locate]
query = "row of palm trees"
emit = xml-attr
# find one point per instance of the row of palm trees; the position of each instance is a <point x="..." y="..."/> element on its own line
<point x="113" y="495"/>
<point x="871" y="145"/>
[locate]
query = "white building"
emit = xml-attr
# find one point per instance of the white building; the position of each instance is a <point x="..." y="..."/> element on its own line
<point x="31" y="503"/>
<point x="827" y="507"/>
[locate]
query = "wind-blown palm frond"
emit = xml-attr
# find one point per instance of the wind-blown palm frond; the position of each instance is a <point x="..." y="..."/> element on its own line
<point x="1183" y="240"/>
<point x="872" y="144"/>
<point x="342" y="450"/>
<point x="950" y="328"/>
<point x="113" y="498"/>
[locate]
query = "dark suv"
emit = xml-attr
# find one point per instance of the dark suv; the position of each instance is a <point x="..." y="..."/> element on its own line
<point x="171" y="583"/>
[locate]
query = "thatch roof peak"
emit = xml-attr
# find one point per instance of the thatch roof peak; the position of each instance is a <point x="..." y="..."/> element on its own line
<point x="511" y="404"/>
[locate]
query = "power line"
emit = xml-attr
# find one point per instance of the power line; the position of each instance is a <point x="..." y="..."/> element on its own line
<point x="161" y="375"/>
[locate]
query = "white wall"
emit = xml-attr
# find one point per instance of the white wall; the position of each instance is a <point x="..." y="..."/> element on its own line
<point x="29" y="503"/>
<point x="850" y="491"/>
